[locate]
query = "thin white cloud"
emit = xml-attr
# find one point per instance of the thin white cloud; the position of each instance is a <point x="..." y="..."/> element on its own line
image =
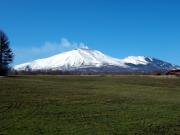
<point x="61" y="46"/>
<point x="47" y="49"/>
<point x="66" y="43"/>
<point x="82" y="45"/>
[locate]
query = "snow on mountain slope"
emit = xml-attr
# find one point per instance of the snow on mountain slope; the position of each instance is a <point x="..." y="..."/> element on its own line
<point x="136" y="60"/>
<point x="84" y="59"/>
<point x="73" y="59"/>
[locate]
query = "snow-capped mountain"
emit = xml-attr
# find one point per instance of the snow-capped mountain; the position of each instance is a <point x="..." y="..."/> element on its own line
<point x="88" y="60"/>
<point x="73" y="59"/>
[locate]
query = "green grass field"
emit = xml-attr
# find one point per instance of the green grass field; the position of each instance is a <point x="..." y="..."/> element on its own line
<point x="89" y="105"/>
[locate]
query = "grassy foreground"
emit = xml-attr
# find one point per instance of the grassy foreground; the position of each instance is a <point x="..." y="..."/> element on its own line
<point x="89" y="105"/>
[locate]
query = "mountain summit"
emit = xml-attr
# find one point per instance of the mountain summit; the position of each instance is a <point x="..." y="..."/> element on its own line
<point x="88" y="60"/>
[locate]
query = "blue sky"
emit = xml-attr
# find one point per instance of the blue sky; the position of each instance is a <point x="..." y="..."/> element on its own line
<point x="41" y="28"/>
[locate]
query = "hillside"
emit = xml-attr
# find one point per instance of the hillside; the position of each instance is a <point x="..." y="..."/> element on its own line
<point x="93" y="61"/>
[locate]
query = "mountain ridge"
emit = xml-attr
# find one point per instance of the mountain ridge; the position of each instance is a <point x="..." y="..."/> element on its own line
<point x="89" y="60"/>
